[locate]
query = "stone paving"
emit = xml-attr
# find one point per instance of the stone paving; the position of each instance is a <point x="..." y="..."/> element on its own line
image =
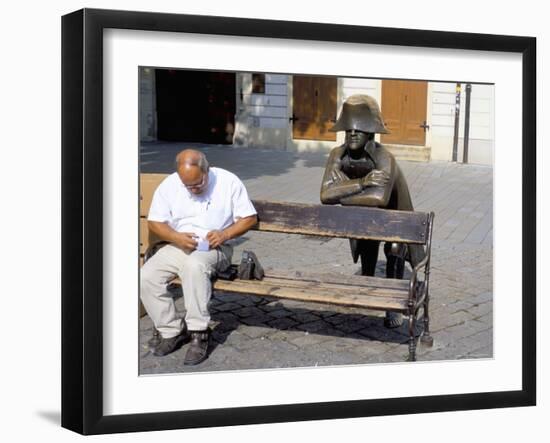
<point x="250" y="332"/>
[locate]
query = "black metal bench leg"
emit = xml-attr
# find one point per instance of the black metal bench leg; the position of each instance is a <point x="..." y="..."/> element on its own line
<point x="427" y="339"/>
<point x="412" y="338"/>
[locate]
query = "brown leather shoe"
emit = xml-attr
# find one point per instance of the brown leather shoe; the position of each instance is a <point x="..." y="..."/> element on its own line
<point x="198" y="347"/>
<point x="169" y="345"/>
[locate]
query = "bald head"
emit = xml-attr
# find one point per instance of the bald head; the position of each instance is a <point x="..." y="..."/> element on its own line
<point x="192" y="168"/>
<point x="191" y="157"/>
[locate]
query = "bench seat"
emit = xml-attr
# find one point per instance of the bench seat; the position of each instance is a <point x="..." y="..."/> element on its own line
<point x="354" y="291"/>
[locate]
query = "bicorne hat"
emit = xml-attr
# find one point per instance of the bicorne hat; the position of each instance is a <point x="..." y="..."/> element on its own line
<point x="360" y="112"/>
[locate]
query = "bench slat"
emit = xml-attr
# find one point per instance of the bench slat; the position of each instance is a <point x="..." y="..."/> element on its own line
<point x="148" y="184"/>
<point x="340" y="279"/>
<point x="314" y="286"/>
<point x="342" y="221"/>
<point x="371" y="298"/>
<point x="143" y="236"/>
<point x="370" y="295"/>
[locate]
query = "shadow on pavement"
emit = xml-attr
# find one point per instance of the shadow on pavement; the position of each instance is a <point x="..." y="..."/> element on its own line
<point x="158" y="157"/>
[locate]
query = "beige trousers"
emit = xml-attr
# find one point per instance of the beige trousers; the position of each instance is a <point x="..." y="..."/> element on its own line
<point x="195" y="271"/>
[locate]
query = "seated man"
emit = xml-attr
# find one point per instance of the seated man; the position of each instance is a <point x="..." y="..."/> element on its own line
<point x="362" y="172"/>
<point x="196" y="210"/>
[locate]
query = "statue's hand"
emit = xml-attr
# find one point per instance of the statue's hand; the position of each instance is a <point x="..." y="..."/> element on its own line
<point x="376" y="178"/>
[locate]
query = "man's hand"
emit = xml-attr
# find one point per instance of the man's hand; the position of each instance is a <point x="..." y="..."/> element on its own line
<point x="376" y="178"/>
<point x="216" y="238"/>
<point x="185" y="240"/>
<point x="241" y="225"/>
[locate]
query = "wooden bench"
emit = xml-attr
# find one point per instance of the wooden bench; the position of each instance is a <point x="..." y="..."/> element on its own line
<point x="409" y="297"/>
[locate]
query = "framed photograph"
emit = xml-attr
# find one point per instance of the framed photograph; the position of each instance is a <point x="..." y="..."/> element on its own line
<point x="261" y="98"/>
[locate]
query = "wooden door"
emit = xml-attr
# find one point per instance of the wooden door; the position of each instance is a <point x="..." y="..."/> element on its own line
<point x="314" y="107"/>
<point x="404" y="107"/>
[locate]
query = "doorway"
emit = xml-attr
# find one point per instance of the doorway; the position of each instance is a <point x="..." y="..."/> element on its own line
<point x="195" y="106"/>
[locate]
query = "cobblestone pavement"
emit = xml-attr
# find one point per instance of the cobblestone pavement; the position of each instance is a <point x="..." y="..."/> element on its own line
<point x="250" y="332"/>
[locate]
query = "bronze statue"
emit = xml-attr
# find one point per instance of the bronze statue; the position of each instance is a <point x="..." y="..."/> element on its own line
<point x="361" y="172"/>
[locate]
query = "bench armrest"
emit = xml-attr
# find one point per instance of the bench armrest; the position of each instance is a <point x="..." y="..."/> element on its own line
<point x="422" y="266"/>
<point x="414" y="280"/>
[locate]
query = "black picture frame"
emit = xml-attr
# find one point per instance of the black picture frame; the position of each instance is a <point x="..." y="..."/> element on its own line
<point x="82" y="219"/>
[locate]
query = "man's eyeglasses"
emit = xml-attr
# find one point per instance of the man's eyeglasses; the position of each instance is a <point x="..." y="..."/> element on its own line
<point x="198" y="185"/>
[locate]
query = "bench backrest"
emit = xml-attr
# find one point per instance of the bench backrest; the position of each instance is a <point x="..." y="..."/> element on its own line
<point x="342" y="221"/>
<point x="308" y="219"/>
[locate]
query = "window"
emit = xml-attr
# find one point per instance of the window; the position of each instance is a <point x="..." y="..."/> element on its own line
<point x="258" y="83"/>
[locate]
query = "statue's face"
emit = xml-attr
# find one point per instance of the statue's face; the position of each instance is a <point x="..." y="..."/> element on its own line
<point x="356" y="139"/>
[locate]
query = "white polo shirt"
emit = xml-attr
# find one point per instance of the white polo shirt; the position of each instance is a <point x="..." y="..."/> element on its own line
<point x="219" y="206"/>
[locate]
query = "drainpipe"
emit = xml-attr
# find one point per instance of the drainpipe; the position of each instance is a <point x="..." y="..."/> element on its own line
<point x="457" y="120"/>
<point x="467" y="123"/>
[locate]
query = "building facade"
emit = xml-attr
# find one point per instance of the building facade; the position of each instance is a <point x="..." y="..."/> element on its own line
<point x="443" y="121"/>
